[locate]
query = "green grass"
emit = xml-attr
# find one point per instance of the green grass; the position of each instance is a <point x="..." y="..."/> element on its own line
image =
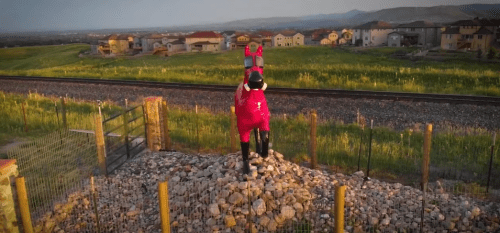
<point x="42" y="117"/>
<point x="310" y="67"/>
<point x="394" y="154"/>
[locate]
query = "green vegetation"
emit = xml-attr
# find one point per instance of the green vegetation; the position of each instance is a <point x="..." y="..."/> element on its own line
<point x="42" y="116"/>
<point x="395" y="155"/>
<point x="310" y="67"/>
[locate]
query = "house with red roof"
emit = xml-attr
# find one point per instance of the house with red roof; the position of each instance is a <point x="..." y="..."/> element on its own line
<point x="204" y="41"/>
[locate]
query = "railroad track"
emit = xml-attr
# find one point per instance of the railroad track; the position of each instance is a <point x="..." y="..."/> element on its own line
<point x="334" y="93"/>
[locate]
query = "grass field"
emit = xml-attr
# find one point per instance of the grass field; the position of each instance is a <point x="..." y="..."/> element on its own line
<point x="42" y="116"/>
<point x="310" y="67"/>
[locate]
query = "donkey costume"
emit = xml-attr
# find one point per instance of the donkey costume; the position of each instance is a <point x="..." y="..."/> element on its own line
<point x="251" y="107"/>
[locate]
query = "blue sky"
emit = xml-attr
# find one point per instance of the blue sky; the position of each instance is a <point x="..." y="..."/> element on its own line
<point x="28" y="15"/>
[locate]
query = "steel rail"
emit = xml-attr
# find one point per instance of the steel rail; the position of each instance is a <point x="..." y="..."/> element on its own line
<point x="333" y="93"/>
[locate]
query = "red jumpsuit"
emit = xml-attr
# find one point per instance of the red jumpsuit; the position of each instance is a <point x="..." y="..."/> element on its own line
<point x="250" y="104"/>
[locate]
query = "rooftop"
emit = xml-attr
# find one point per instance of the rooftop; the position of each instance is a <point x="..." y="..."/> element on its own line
<point x="205" y="34"/>
<point x="374" y="25"/>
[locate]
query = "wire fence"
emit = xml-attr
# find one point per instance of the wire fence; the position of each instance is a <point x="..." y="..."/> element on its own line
<point x="209" y="193"/>
<point x="54" y="167"/>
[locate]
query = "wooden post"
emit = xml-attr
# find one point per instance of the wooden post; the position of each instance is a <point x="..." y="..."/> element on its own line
<point x="314" y="159"/>
<point x="369" y="150"/>
<point x="63" y="113"/>
<point x="57" y="114"/>
<point x="164" y="207"/>
<point x="232" y="132"/>
<point x="24" y="117"/>
<point x="491" y="161"/>
<point x="339" y="208"/>
<point x="425" y="169"/>
<point x="99" y="140"/>
<point x="166" y="134"/>
<point x="22" y="197"/>
<point x="153" y="122"/>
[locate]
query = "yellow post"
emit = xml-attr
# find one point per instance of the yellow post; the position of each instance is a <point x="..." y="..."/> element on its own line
<point x="22" y="198"/>
<point x="99" y="140"/>
<point x="313" y="140"/>
<point x="233" y="130"/>
<point x="427" y="151"/>
<point x="339" y="208"/>
<point x="8" y="169"/>
<point x="166" y="135"/>
<point x="164" y="208"/>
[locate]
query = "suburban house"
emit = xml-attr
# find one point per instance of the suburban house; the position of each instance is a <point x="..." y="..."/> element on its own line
<point x="307" y="37"/>
<point x="477" y="34"/>
<point x="419" y="33"/>
<point x="328" y="38"/>
<point x="228" y="35"/>
<point x="167" y="39"/>
<point x="373" y="33"/>
<point x="449" y="39"/>
<point x="266" y="37"/>
<point x="149" y="41"/>
<point x="288" y="39"/>
<point x="176" y="46"/>
<point x="204" y="41"/>
<point x="240" y="41"/>
<point x="345" y="36"/>
<point x="119" y="44"/>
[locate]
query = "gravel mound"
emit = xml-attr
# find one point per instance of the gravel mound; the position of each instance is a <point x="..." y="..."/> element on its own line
<point x="208" y="193"/>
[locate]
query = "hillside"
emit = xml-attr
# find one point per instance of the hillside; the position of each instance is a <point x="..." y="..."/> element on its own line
<point x="438" y="14"/>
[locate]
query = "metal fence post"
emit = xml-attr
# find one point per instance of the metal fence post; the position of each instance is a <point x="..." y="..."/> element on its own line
<point x="369" y="150"/>
<point x="425" y="169"/>
<point x="164" y="207"/>
<point x="94" y="200"/>
<point x="63" y="113"/>
<point x="125" y="127"/>
<point x="24" y="117"/>
<point x="197" y="129"/>
<point x="360" y="145"/>
<point x="99" y="140"/>
<point x="491" y="161"/>
<point x="232" y="132"/>
<point x="22" y="198"/>
<point x="313" y="140"/>
<point x="339" y="208"/>
<point x="166" y="134"/>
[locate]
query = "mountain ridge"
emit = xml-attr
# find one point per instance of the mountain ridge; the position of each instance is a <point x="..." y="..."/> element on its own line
<point x="397" y="15"/>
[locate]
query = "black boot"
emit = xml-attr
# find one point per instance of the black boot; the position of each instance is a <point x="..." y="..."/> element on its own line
<point x="264" y="135"/>
<point x="245" y="150"/>
<point x="258" y="142"/>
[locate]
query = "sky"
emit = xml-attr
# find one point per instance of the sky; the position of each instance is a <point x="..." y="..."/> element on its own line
<point x="43" y="15"/>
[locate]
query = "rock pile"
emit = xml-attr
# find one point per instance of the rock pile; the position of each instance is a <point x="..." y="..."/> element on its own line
<point x="208" y="193"/>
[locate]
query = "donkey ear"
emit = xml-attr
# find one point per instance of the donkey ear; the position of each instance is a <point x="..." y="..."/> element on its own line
<point x="247" y="51"/>
<point x="259" y="51"/>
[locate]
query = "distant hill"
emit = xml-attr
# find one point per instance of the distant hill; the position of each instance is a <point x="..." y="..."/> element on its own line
<point x="437" y="14"/>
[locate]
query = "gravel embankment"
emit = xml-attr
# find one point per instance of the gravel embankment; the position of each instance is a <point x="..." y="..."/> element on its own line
<point x="394" y="114"/>
<point x="207" y="193"/>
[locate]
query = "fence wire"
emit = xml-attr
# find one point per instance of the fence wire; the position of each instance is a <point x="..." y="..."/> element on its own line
<point x="54" y="166"/>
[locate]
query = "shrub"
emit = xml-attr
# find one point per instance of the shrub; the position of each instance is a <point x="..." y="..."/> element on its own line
<point x="491" y="54"/>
